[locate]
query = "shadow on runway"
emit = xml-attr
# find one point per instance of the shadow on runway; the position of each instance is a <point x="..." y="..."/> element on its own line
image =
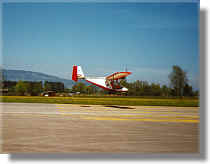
<point x="121" y="107"/>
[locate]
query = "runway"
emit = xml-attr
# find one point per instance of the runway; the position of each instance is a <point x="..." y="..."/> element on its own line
<point x="29" y="127"/>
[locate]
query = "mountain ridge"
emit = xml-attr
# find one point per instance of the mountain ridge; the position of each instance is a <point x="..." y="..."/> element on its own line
<point x="16" y="75"/>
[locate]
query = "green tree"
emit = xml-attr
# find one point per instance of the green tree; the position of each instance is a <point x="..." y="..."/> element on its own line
<point x="178" y="79"/>
<point x="21" y="88"/>
<point x="79" y="87"/>
<point x="196" y="93"/>
<point x="36" y="88"/>
<point x="188" y="91"/>
<point x="165" y="91"/>
<point x="67" y="90"/>
<point x="47" y="86"/>
<point x="155" y="89"/>
<point x="91" y="90"/>
<point x="1" y="80"/>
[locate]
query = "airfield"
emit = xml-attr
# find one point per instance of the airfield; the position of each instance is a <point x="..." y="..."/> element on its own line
<point x="36" y="127"/>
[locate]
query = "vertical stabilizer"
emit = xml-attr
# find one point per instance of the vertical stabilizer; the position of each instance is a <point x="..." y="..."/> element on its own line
<point x="77" y="73"/>
<point x="74" y="73"/>
<point x="80" y="74"/>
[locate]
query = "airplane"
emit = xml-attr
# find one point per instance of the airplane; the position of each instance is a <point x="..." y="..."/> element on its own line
<point x="110" y="83"/>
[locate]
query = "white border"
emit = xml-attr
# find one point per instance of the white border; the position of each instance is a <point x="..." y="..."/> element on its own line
<point x="4" y="158"/>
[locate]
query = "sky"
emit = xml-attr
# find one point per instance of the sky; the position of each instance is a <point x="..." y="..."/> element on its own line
<point x="144" y="38"/>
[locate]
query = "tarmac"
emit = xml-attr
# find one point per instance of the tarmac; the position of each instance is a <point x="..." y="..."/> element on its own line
<point x="31" y="127"/>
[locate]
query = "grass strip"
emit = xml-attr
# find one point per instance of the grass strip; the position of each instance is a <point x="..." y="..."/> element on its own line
<point x="125" y="101"/>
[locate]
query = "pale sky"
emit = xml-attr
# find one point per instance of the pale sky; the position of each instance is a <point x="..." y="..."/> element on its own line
<point x="146" y="38"/>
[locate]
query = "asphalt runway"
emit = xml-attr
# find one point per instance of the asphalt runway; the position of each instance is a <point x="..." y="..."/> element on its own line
<point x="28" y="127"/>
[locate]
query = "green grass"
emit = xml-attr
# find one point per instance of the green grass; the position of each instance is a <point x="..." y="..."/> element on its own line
<point x="104" y="100"/>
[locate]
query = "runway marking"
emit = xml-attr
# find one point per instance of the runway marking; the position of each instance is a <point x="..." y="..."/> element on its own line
<point x="156" y="116"/>
<point x="145" y="119"/>
<point x="144" y="114"/>
<point x="133" y="115"/>
<point x="169" y="112"/>
<point x="120" y="115"/>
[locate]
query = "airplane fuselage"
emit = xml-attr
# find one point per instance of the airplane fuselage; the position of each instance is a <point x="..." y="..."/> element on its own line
<point x="101" y="82"/>
<point x="110" y="83"/>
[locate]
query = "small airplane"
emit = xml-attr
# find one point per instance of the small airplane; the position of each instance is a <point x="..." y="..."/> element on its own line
<point x="110" y="83"/>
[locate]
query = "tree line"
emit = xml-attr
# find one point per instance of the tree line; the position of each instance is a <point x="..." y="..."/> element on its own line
<point x="138" y="88"/>
<point x="23" y="88"/>
<point x="179" y="86"/>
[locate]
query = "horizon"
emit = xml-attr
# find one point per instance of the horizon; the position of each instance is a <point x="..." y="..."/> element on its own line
<point x="147" y="38"/>
<point x="81" y="80"/>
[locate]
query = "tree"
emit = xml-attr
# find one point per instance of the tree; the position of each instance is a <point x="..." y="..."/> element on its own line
<point x="79" y="87"/>
<point x="165" y="90"/>
<point x="155" y="89"/>
<point x="67" y="90"/>
<point x="196" y="93"/>
<point x="36" y="88"/>
<point x="47" y="86"/>
<point x="1" y="80"/>
<point x="188" y="91"/>
<point x="21" y="88"/>
<point x="54" y="86"/>
<point x="178" y="79"/>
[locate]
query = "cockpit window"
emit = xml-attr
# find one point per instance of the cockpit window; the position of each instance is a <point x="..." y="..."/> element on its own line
<point x="115" y="84"/>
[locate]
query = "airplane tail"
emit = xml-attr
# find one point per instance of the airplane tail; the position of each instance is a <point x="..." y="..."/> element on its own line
<point x="77" y="73"/>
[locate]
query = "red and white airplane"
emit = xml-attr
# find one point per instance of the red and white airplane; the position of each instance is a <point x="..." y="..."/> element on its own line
<point x="110" y="83"/>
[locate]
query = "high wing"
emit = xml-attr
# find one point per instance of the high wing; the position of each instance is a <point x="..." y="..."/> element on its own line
<point x="118" y="75"/>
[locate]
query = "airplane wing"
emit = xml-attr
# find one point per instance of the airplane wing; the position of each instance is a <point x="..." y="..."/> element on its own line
<point x="118" y="75"/>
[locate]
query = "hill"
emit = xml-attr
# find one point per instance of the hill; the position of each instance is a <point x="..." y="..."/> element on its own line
<point x="16" y="75"/>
